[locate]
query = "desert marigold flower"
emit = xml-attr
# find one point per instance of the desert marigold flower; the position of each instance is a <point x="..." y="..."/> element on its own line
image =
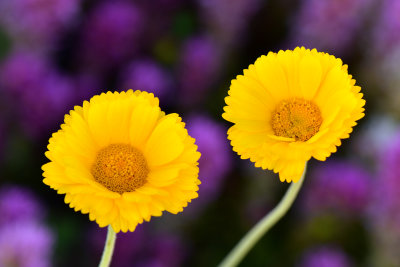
<point x="122" y="160"/>
<point x="291" y="106"/>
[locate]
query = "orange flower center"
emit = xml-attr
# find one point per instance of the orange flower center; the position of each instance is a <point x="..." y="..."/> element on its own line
<point x="120" y="168"/>
<point x="296" y="118"/>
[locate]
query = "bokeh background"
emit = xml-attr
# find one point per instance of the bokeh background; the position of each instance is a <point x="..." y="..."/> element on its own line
<point x="56" y="53"/>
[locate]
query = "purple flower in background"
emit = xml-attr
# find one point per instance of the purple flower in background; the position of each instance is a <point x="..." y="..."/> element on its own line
<point x="377" y="133"/>
<point x="142" y="247"/>
<point x="329" y="26"/>
<point x="2" y="136"/>
<point x="198" y="69"/>
<point x="165" y="251"/>
<point x="18" y="204"/>
<point x="227" y="19"/>
<point x="215" y="160"/>
<point x="24" y="241"/>
<point x="147" y="75"/>
<point x="86" y="86"/>
<point x="159" y="18"/>
<point x="37" y="91"/>
<point x="389" y="161"/>
<point x="25" y="245"/>
<point x="110" y="35"/>
<point x="384" y="212"/>
<point x="337" y="186"/>
<point x="163" y="5"/>
<point x="387" y="30"/>
<point x="325" y="257"/>
<point x="34" y="24"/>
<point x="127" y="248"/>
<point x="384" y="54"/>
<point x="386" y="202"/>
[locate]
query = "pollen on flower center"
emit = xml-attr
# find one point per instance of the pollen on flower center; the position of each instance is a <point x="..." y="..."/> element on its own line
<point x="120" y="168"/>
<point x="296" y="118"/>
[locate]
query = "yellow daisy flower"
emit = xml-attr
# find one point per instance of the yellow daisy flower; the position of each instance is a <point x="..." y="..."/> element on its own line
<point x="122" y="160"/>
<point x="290" y="106"/>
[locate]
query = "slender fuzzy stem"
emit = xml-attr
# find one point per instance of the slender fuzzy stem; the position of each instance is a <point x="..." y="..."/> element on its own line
<point x="108" y="248"/>
<point x="266" y="223"/>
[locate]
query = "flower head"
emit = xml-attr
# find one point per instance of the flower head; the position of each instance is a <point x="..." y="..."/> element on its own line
<point x="291" y="106"/>
<point x="122" y="160"/>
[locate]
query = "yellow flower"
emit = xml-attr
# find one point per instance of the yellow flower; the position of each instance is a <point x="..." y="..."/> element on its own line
<point x="122" y="160"/>
<point x="291" y="106"/>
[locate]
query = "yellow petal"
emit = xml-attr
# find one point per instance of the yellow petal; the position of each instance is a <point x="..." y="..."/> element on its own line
<point x="143" y="121"/>
<point x="164" y="144"/>
<point x="310" y="74"/>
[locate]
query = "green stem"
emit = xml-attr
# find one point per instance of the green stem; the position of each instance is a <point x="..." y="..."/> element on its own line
<point x="108" y="248"/>
<point x="269" y="220"/>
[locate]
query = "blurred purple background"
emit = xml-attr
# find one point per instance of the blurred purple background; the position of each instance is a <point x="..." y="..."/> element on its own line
<point x="56" y="53"/>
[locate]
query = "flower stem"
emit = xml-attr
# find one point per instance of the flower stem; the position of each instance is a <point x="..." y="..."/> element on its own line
<point x="108" y="248"/>
<point x="266" y="223"/>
